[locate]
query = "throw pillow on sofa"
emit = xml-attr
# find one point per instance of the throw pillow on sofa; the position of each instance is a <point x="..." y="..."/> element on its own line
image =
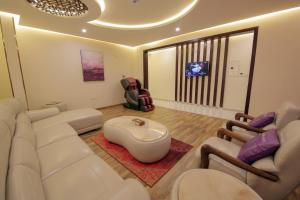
<point x="262" y="120"/>
<point x="261" y="146"/>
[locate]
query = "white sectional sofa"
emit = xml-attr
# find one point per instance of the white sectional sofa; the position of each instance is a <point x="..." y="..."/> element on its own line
<point x="45" y="159"/>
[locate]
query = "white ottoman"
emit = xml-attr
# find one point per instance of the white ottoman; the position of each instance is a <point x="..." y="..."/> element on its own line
<point x="147" y="143"/>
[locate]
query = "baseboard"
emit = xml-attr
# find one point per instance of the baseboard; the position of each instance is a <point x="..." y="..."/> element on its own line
<point x="109" y="106"/>
<point x="197" y="109"/>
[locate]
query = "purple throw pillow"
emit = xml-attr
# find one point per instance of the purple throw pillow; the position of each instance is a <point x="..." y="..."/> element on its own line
<point x="261" y="146"/>
<point x="262" y="120"/>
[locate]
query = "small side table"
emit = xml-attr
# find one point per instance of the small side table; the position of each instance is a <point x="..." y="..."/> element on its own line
<point x="208" y="184"/>
<point x="58" y="104"/>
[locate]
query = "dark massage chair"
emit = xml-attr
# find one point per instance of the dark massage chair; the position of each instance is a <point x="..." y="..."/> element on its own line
<point x="136" y="97"/>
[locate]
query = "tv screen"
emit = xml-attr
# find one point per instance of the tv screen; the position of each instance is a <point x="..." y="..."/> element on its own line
<point x="197" y="69"/>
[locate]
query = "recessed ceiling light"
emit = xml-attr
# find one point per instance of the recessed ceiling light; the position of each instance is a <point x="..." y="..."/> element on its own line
<point x="177" y="29"/>
<point x="83" y="30"/>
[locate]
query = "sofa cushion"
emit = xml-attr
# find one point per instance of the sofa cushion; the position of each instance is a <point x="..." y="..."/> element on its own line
<point x="24" y="131"/>
<point x="23" y="153"/>
<point x="23" y="118"/>
<point x="7" y="116"/>
<point x="24" y="184"/>
<point x="218" y="163"/>
<point x="260" y="146"/>
<point x="14" y="104"/>
<point x="60" y="154"/>
<point x="80" y="119"/>
<point x="5" y="144"/>
<point x="266" y="164"/>
<point x="286" y="113"/>
<point x="89" y="179"/>
<point x="52" y="134"/>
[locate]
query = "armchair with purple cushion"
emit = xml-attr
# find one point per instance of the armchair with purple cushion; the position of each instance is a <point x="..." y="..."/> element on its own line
<point x="136" y="97"/>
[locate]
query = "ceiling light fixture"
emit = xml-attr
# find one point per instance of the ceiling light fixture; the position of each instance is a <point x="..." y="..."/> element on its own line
<point x="149" y="25"/>
<point x="102" y="5"/>
<point x="83" y="30"/>
<point x="177" y="29"/>
<point x="63" y="8"/>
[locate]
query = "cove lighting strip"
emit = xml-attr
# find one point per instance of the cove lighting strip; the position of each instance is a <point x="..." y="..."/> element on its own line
<point x="251" y="19"/>
<point x="14" y="16"/>
<point x="102" y="5"/>
<point x="144" y="26"/>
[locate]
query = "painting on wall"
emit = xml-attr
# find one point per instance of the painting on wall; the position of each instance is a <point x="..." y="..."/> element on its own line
<point x="92" y="65"/>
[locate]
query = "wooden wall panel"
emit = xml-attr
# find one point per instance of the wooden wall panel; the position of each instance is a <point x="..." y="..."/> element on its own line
<point x="224" y="71"/>
<point x="176" y="72"/>
<point x="181" y="72"/>
<point x="217" y="72"/>
<point x="191" y="79"/>
<point x="197" y="78"/>
<point x="208" y="90"/>
<point x="203" y="77"/>
<point x="211" y="68"/>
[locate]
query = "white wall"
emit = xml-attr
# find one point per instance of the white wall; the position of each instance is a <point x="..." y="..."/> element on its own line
<point x="5" y="86"/>
<point x="277" y="66"/>
<point x="13" y="58"/>
<point x="239" y="58"/>
<point x="162" y="66"/>
<point x="52" y="69"/>
<point x="161" y="73"/>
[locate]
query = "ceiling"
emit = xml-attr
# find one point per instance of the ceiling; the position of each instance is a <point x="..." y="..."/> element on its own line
<point x="200" y="15"/>
<point x="142" y="12"/>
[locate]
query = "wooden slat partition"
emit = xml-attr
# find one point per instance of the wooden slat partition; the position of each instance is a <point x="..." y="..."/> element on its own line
<point x="217" y="72"/>
<point x="211" y="56"/>
<point x="186" y="79"/>
<point x="203" y="77"/>
<point x="192" y="78"/>
<point x="197" y="78"/>
<point x="181" y="69"/>
<point x="187" y="89"/>
<point x="224" y="71"/>
<point x="176" y="72"/>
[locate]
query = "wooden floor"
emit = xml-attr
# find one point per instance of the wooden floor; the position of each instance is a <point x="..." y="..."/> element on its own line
<point x="187" y="127"/>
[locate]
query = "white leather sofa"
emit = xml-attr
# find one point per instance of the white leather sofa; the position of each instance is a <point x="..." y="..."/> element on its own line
<point x="52" y="162"/>
<point x="82" y="120"/>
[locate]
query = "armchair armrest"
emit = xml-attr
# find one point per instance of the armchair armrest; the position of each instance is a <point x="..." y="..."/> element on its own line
<point x="238" y="116"/>
<point x="36" y="115"/>
<point x="231" y="124"/>
<point x="222" y="133"/>
<point x="131" y="190"/>
<point x="207" y="149"/>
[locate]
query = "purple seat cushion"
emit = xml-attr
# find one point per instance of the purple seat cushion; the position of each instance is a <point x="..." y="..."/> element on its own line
<point x="261" y="146"/>
<point x="262" y="120"/>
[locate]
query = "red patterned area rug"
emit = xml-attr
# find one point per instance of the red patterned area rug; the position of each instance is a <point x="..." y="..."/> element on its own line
<point x="148" y="173"/>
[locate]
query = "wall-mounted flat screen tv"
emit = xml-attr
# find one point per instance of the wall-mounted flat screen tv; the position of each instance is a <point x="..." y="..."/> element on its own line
<point x="197" y="69"/>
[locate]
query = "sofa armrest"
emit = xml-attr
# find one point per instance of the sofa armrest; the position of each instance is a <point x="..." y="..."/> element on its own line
<point x="207" y="149"/>
<point x="227" y="134"/>
<point x="246" y="117"/>
<point x="36" y="115"/>
<point x="131" y="189"/>
<point x="230" y="124"/>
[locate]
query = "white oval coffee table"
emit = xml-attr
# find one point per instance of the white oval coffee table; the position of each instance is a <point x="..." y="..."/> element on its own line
<point x="148" y="142"/>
